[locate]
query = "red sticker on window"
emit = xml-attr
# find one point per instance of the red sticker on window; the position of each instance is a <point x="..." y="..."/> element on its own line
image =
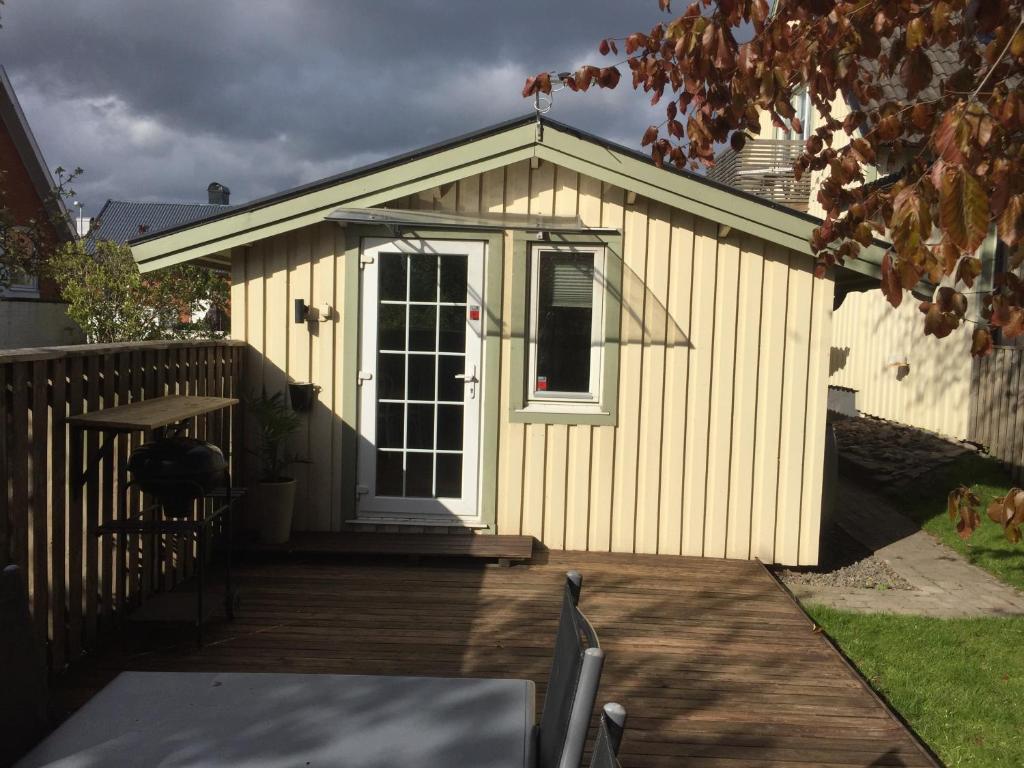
<point x="542" y="383"/>
<point x="474" y="313"/>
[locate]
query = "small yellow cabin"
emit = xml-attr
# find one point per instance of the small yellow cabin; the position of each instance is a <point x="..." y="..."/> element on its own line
<point x="528" y="330"/>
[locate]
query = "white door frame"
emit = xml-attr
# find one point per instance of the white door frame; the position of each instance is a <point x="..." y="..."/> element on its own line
<point x="371" y="507"/>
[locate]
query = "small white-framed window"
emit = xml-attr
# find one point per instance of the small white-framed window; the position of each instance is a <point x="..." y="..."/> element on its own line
<point x="566" y="325"/>
<point x="20" y="284"/>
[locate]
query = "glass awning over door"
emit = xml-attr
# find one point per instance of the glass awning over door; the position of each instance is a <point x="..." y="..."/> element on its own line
<point x="399" y="219"/>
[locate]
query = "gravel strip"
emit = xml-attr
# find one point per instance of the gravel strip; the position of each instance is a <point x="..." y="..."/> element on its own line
<point x="845" y="563"/>
<point x="869" y="573"/>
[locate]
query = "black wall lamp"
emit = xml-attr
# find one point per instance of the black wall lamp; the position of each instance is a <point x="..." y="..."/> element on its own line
<point x="303" y="312"/>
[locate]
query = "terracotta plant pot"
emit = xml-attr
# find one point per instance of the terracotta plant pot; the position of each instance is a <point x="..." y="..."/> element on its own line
<point x="275" y="503"/>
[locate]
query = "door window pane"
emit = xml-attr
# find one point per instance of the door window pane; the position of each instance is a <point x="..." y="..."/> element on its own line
<point x="420" y="428"/>
<point x="419" y="474"/>
<point x="423" y="277"/>
<point x="391" y="327"/>
<point x="449" y="475"/>
<point x="392" y="276"/>
<point x="389" y="473"/>
<point x="565" y="313"/>
<point x="422" y="327"/>
<point x="452" y="337"/>
<point x="449" y="388"/>
<point x="453" y="278"/>
<point x="390" y="376"/>
<point x="449" y="427"/>
<point x="421" y="377"/>
<point x="390" y="423"/>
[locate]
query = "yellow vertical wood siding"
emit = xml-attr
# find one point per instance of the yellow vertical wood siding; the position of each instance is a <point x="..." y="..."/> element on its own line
<point x="722" y="383"/>
<point x="870" y="338"/>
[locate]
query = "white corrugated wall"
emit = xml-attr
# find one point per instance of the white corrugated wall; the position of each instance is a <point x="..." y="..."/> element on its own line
<point x="869" y="338"/>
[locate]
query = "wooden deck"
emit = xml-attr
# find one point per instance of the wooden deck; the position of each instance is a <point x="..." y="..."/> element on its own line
<point x="713" y="661"/>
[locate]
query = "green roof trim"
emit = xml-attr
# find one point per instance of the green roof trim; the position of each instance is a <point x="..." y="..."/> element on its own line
<point x="475" y="153"/>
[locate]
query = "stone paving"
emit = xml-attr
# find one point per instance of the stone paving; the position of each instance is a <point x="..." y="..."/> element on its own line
<point x="944" y="584"/>
<point x="876" y="453"/>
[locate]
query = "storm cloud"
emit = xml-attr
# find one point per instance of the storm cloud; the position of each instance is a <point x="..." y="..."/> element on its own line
<point x="154" y="99"/>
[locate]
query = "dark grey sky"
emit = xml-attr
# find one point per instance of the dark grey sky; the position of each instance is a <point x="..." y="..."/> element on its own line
<point x="156" y="98"/>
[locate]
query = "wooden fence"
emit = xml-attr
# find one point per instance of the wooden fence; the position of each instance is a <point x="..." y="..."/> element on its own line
<point x="996" y="418"/>
<point x="47" y="528"/>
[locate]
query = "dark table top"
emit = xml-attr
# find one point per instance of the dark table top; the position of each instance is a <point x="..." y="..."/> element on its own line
<point x="264" y="720"/>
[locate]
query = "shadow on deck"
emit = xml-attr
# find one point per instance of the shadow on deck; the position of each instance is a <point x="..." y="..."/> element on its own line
<point x="714" y="662"/>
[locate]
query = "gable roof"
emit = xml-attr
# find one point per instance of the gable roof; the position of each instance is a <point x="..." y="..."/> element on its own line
<point x="17" y="126"/>
<point x="474" y="153"/>
<point x="122" y="220"/>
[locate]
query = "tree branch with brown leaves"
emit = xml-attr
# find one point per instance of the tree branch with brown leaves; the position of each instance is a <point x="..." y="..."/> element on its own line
<point x="956" y="135"/>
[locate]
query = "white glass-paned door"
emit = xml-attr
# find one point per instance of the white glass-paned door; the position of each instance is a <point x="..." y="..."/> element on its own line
<point x="420" y="371"/>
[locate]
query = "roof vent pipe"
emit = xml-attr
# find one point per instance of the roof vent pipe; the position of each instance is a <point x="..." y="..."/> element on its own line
<point x="218" y="194"/>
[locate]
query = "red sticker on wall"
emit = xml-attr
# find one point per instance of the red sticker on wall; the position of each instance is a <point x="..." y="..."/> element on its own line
<point x="474" y="312"/>
<point x="542" y="383"/>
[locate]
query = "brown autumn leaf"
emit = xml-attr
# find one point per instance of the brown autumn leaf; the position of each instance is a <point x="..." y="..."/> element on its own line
<point x="1016" y="257"/>
<point x="949" y="135"/>
<point x="889" y="128"/>
<point x="891" y="287"/>
<point x="967" y="270"/>
<point x="940" y="16"/>
<point x="1008" y="512"/>
<point x="1011" y="222"/>
<point x="916" y="72"/>
<point x="917" y="31"/>
<point x="921" y="116"/>
<point x="909" y="272"/>
<point x="737" y="140"/>
<point x="944" y="316"/>
<point x="963" y="209"/>
<point x="650" y="135"/>
<point x="1014" y="327"/>
<point x="981" y="342"/>
<point x="608" y="77"/>
<point x="962" y="505"/>
<point x="1017" y="44"/>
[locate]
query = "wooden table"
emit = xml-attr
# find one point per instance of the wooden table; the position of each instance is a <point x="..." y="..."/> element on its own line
<point x="267" y="720"/>
<point x="151" y="415"/>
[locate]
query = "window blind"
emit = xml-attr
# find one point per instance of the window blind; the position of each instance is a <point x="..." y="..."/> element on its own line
<point x="567" y="279"/>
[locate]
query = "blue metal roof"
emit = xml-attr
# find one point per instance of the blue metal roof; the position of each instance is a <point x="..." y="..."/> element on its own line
<point x="124" y="220"/>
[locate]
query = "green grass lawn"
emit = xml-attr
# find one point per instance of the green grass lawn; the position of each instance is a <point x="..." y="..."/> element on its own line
<point x="958" y="682"/>
<point x="925" y="503"/>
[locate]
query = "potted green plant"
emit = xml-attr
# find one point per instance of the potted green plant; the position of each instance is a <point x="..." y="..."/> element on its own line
<point x="274" y="501"/>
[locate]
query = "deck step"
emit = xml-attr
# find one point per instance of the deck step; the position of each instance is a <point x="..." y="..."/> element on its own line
<point x="502" y="547"/>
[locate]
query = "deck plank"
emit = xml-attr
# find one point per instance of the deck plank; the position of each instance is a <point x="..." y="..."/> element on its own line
<point x="348" y="542"/>
<point x="715" y="663"/>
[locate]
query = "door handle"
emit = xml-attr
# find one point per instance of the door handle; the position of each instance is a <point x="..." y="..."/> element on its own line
<point x="469" y="378"/>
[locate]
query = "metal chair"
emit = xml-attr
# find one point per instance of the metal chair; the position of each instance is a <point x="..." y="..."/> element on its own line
<point x="609" y="737"/>
<point x="572" y="685"/>
<point x="24" y="703"/>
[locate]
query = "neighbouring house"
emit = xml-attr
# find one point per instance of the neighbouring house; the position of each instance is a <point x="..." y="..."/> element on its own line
<point x="31" y="312"/>
<point x="882" y="354"/>
<point x="530" y="330"/>
<point x="121" y="220"/>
